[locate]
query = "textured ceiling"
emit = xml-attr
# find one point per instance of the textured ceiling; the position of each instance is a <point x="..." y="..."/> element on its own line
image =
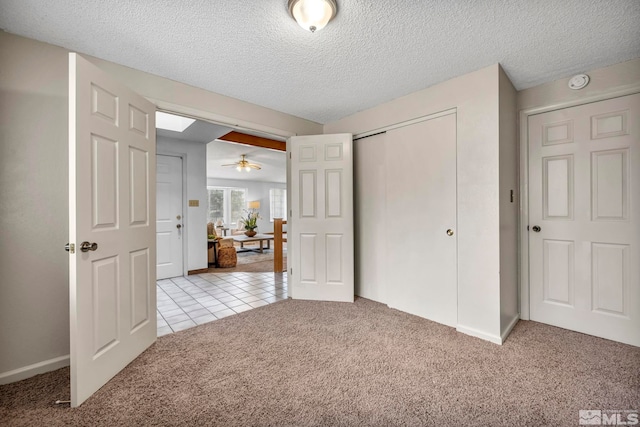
<point x="373" y="51"/>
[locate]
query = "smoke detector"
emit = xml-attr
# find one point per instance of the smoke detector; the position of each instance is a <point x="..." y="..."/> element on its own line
<point x="578" y="81"/>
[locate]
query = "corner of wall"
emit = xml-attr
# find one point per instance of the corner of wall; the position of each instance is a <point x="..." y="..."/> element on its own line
<point x="509" y="201"/>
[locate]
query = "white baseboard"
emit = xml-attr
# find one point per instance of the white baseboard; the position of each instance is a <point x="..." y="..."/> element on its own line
<point x="35" y="369"/>
<point x="511" y="325"/>
<point x="479" y="334"/>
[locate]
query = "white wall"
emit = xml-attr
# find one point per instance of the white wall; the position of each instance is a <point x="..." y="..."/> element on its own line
<point x="256" y="190"/>
<point x="605" y="80"/>
<point x="475" y="96"/>
<point x="508" y="208"/>
<point x="34" y="200"/>
<point x="195" y="163"/>
<point x="34" y="290"/>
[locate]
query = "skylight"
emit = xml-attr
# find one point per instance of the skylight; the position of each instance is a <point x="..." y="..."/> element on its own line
<point x="172" y="122"/>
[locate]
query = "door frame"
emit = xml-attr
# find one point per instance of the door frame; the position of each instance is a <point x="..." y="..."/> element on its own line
<point x="523" y="147"/>
<point x="184" y="203"/>
<point x="233" y="123"/>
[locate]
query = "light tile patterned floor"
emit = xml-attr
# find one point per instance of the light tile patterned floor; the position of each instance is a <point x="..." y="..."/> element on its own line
<point x="184" y="302"/>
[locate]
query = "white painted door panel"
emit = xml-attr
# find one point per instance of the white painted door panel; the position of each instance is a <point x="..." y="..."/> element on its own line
<point x="584" y="178"/>
<point x="421" y="259"/>
<point x="111" y="203"/>
<point x="370" y="211"/>
<point x="169" y="217"/>
<point x="321" y="221"/>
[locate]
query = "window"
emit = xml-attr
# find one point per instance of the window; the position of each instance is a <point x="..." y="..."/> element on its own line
<point x="278" y="203"/>
<point x="216" y="204"/>
<point x="238" y="203"/>
<point x="226" y="204"/>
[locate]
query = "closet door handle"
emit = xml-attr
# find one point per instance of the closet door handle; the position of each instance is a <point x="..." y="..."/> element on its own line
<point x="449" y="232"/>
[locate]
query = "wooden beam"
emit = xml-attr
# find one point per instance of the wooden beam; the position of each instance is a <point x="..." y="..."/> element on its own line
<point x="256" y="141"/>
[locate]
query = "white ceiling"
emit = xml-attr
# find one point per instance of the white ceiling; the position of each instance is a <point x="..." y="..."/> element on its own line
<point x="273" y="162"/>
<point x="373" y="51"/>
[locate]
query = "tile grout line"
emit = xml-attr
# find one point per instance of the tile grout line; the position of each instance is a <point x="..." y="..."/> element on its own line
<point x="260" y="285"/>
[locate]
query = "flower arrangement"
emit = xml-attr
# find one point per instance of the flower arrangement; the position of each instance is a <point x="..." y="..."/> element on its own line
<point x="250" y="222"/>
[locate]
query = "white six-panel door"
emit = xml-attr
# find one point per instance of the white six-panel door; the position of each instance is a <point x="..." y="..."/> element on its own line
<point x="421" y="246"/>
<point x="169" y="217"/>
<point x="584" y="195"/>
<point x="321" y="219"/>
<point x="112" y="208"/>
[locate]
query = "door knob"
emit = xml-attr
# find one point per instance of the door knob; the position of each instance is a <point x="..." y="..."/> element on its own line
<point x="86" y="246"/>
<point x="449" y="232"/>
<point x="536" y="228"/>
<point x="179" y="226"/>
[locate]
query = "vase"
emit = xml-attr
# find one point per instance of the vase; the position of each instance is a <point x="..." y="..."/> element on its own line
<point x="250" y="233"/>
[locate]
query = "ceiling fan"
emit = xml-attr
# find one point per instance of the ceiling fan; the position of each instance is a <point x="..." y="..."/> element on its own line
<point x="244" y="164"/>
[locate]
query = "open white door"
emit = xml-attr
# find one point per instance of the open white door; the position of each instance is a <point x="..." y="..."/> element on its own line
<point x="321" y="218"/>
<point x="112" y="155"/>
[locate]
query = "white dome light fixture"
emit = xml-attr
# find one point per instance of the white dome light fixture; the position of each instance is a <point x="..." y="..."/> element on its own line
<point x="313" y="15"/>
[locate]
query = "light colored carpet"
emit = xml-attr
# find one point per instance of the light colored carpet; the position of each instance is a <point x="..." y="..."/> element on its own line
<point x="303" y="363"/>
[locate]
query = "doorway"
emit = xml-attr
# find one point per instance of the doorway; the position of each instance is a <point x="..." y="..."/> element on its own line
<point x="584" y="218"/>
<point x="186" y="299"/>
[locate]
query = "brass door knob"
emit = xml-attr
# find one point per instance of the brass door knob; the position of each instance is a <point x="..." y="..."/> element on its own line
<point x="86" y="246"/>
<point x="449" y="232"/>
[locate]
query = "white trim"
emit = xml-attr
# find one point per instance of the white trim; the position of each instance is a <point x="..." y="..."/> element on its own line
<point x="479" y="334"/>
<point x="35" y="369"/>
<point x="237" y="124"/>
<point x="405" y="123"/>
<point x="523" y="236"/>
<point x="512" y="324"/>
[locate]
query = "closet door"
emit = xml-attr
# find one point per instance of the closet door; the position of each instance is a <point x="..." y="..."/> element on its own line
<point x="421" y="217"/>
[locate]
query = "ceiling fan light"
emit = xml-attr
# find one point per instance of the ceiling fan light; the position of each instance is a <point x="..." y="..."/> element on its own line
<point x="239" y="169"/>
<point x="313" y="15"/>
<point x="248" y="169"/>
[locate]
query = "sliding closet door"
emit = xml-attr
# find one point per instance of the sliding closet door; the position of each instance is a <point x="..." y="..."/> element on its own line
<point x="421" y="219"/>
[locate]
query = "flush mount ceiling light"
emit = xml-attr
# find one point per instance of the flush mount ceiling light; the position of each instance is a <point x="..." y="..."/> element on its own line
<point x="313" y="15"/>
<point x="244" y="164"/>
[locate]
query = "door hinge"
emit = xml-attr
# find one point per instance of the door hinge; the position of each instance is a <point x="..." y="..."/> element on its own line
<point x="291" y="271"/>
<point x="289" y="155"/>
